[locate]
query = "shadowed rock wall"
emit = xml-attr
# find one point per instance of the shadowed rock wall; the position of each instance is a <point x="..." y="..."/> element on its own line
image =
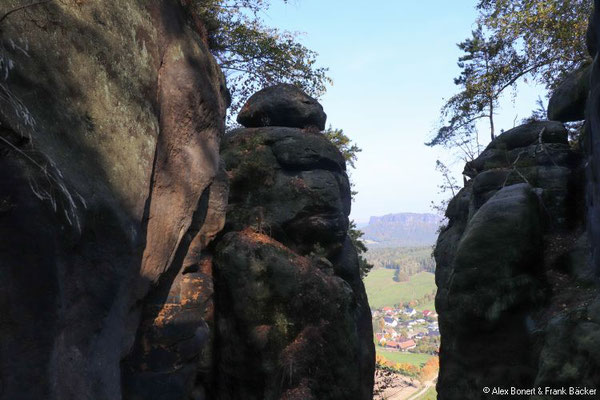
<point x="111" y="115"/>
<point x="117" y="282"/>
<point x="494" y="259"/>
<point x="517" y="265"/>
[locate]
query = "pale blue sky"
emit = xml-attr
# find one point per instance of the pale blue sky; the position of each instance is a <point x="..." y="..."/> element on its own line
<point x="393" y="63"/>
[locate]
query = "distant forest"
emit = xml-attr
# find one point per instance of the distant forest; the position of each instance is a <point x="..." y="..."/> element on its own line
<point x="407" y="261"/>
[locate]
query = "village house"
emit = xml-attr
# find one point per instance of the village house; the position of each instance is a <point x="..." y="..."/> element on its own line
<point x="410" y="311"/>
<point x="407" y="345"/>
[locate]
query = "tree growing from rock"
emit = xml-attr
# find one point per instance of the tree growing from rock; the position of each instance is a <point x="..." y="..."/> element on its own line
<point x="487" y="70"/>
<point x="448" y="185"/>
<point x="253" y="55"/>
<point x="344" y="144"/>
<point x="355" y="235"/>
<point x="515" y="41"/>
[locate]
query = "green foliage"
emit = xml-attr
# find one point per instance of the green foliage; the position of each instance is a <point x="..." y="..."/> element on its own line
<point x="407" y="260"/>
<point x="515" y="40"/>
<point x="427" y="345"/>
<point x="383" y="291"/>
<point x="400" y="276"/>
<point x="348" y="149"/>
<point x="253" y="55"/>
<point x="449" y="185"/>
<point x="549" y="35"/>
<point x="488" y="67"/>
<point x="356" y="237"/>
<point x="415" y="359"/>
<point x="350" y="152"/>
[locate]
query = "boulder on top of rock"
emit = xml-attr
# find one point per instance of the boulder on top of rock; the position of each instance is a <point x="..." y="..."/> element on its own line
<point x="528" y="134"/>
<point x="282" y="105"/>
<point x="567" y="103"/>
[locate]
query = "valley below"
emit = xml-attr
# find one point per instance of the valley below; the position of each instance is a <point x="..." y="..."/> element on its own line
<point x="401" y="290"/>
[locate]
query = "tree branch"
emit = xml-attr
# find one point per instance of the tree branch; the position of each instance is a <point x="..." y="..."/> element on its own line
<point x="22" y="8"/>
<point x="521" y="74"/>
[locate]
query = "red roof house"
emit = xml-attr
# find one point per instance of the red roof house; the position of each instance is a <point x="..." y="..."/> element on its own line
<point x="409" y="344"/>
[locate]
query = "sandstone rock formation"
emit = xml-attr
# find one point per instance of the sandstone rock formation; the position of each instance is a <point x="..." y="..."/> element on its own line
<point x="494" y="257"/>
<point x="592" y="142"/>
<point x="568" y="101"/>
<point x="282" y="105"/>
<point x="111" y="120"/>
<point x="288" y="287"/>
<point x="517" y="265"/>
<point x="290" y="184"/>
<point x="112" y="199"/>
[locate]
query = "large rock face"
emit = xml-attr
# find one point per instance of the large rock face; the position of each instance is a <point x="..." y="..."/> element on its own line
<point x="486" y="296"/>
<point x="518" y="263"/>
<point x="292" y="314"/>
<point x="593" y="142"/>
<point x="281" y="320"/>
<point x="110" y="117"/>
<point x="510" y="264"/>
<point x="115" y="281"/>
<point x="290" y="184"/>
<point x="568" y="101"/>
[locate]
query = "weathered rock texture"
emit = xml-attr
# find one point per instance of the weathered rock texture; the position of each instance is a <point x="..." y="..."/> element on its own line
<point x="568" y="101"/>
<point x="115" y="281"/>
<point x="292" y="314"/>
<point x="282" y="105"/>
<point x="110" y="123"/>
<point x="517" y="265"/>
<point x="512" y="262"/>
<point x="289" y="184"/>
<point x="592" y="141"/>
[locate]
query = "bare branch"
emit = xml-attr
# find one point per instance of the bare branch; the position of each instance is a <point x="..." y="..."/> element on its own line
<point x="14" y="10"/>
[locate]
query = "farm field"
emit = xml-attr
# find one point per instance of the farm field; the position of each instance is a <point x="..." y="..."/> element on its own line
<point x="404" y="357"/>
<point x="383" y="291"/>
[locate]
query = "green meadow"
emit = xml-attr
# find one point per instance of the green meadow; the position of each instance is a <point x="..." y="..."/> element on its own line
<point x="383" y="291"/>
<point x="417" y="359"/>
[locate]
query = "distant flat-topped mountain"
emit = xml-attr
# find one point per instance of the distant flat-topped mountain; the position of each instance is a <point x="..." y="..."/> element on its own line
<point x="402" y="230"/>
